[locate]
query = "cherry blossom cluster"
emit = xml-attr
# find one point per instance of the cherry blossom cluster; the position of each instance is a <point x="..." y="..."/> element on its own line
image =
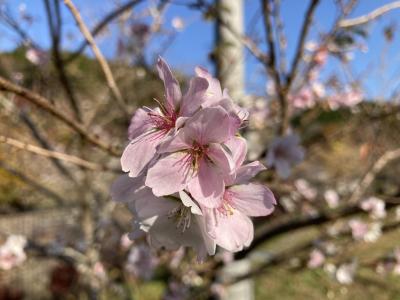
<point x="186" y="182"/>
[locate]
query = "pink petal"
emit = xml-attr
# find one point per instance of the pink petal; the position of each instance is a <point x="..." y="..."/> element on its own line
<point x="209" y="125"/>
<point x="246" y="172"/>
<point x="169" y="174"/>
<point x="214" y="91"/>
<point x="208" y="241"/>
<point x="233" y="231"/>
<point x="140" y="123"/>
<point x="172" y="90"/>
<point x="238" y="148"/>
<point x="252" y="199"/>
<point x="222" y="159"/>
<point x="194" y="97"/>
<point x="124" y="188"/>
<point x="207" y="186"/>
<point x="139" y="153"/>
<point x="174" y="143"/>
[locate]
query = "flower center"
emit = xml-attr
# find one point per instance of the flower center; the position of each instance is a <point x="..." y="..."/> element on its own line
<point x="161" y="122"/>
<point x="227" y="207"/>
<point x="182" y="217"/>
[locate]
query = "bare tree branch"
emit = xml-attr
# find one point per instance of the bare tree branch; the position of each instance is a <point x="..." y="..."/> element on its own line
<point x="52" y="154"/>
<point x="55" y="23"/>
<point x="369" y="17"/>
<point x="369" y="177"/>
<point x="300" y="45"/>
<point x="46" y="105"/>
<point x="99" y="56"/>
<point x="44" y="143"/>
<point x="102" y="24"/>
<point x="272" y="66"/>
<point x="29" y="181"/>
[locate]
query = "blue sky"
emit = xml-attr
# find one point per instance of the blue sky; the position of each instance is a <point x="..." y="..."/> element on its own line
<point x="379" y="66"/>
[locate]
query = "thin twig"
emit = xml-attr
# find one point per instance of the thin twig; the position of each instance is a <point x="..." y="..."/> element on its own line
<point x="44" y="104"/>
<point x="369" y="17"/>
<point x="369" y="177"/>
<point x="102" y="24"/>
<point x="44" y="143"/>
<point x="52" y="154"/>
<point x="31" y="182"/>
<point x="99" y="56"/>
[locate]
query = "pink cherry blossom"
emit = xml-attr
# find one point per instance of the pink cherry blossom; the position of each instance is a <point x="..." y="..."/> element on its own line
<point x="348" y="98"/>
<point x="305" y="189"/>
<point x="168" y="222"/>
<point x="12" y="252"/>
<point x="302" y="99"/>
<point x="317" y="259"/>
<point x="141" y="262"/>
<point x="215" y="96"/>
<point x="283" y="153"/>
<point x="36" y="57"/>
<point x="229" y="223"/>
<point x="331" y="198"/>
<point x="149" y="127"/>
<point x="195" y="159"/>
<point x="364" y="231"/>
<point x="178" y="23"/>
<point x="375" y="206"/>
<point x="345" y="273"/>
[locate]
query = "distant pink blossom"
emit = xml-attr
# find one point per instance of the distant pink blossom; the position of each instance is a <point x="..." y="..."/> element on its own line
<point x="348" y="98"/>
<point x="284" y="153"/>
<point x="302" y="99"/>
<point x="305" y="189"/>
<point x="331" y="198"/>
<point x="345" y="273"/>
<point x="364" y="231"/>
<point x="36" y="57"/>
<point x="317" y="259"/>
<point x="375" y="207"/>
<point x="141" y="262"/>
<point x="12" y="252"/>
<point x="178" y="23"/>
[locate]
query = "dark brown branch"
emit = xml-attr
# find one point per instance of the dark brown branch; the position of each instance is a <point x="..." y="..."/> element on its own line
<point x="55" y="23"/>
<point x="302" y="40"/>
<point x="46" y="105"/>
<point x="272" y="67"/>
<point x="31" y="182"/>
<point x="44" y="143"/>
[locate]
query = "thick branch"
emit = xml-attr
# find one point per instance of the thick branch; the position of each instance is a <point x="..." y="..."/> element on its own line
<point x="44" y="104"/>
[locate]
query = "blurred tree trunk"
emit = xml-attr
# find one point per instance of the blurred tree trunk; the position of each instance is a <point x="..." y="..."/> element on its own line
<point x="229" y="50"/>
<point x="230" y="66"/>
